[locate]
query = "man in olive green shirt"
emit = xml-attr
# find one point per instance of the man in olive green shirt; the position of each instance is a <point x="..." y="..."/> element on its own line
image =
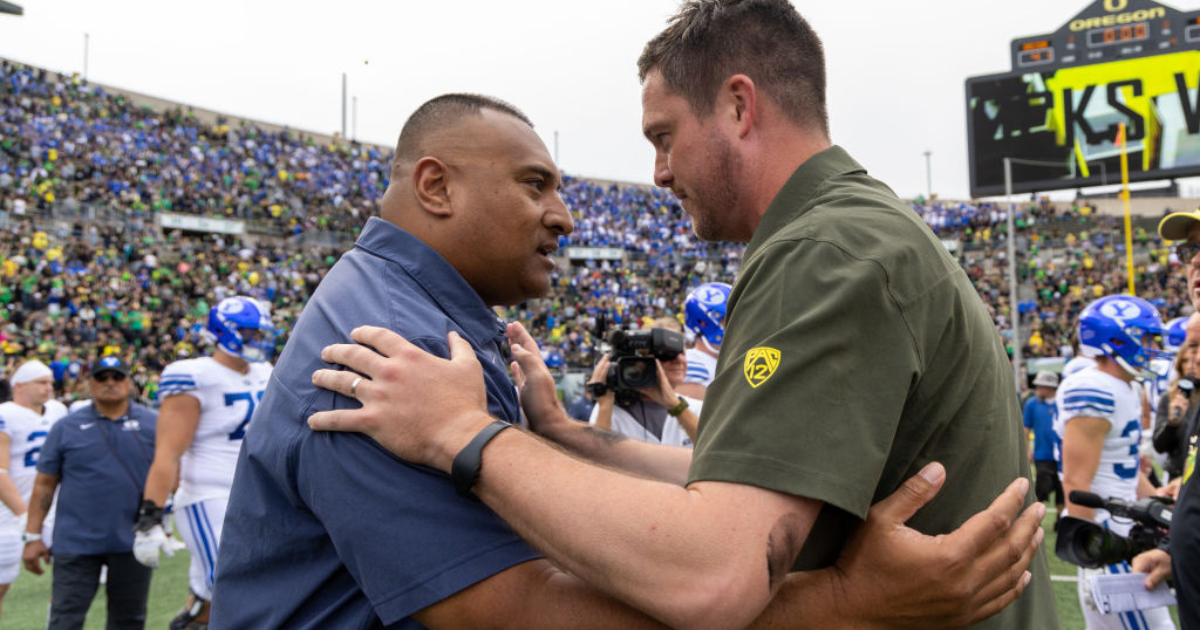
<point x="855" y="354"/>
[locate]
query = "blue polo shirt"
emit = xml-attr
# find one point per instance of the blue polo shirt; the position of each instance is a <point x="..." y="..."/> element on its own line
<point x="1039" y="418"/>
<point x="330" y="530"/>
<point x="102" y="466"/>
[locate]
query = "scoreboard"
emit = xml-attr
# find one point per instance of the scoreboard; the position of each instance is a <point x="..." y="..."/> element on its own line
<point x="1057" y="112"/>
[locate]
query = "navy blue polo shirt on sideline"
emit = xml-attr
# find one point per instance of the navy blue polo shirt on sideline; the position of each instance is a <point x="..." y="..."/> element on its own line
<point x="102" y="466"/>
<point x="329" y="530"/>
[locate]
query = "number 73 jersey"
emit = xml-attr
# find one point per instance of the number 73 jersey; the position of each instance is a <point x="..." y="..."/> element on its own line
<point x="227" y="402"/>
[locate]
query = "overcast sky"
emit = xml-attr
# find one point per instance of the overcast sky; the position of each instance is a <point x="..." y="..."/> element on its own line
<point x="896" y="69"/>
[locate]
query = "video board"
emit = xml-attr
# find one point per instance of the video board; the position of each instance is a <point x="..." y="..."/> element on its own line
<point x="1058" y="111"/>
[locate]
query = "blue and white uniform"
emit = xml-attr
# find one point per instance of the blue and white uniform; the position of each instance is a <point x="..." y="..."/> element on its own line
<point x="227" y="401"/>
<point x="27" y="431"/>
<point x="1093" y="393"/>
<point x="701" y="366"/>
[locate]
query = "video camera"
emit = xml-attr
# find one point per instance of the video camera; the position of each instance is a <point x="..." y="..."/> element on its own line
<point x="1091" y="546"/>
<point x="632" y="354"/>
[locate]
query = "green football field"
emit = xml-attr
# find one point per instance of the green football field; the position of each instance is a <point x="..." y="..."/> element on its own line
<point x="25" y="605"/>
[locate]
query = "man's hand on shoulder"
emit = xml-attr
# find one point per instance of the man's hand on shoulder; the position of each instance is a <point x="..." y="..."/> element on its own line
<point x="422" y="408"/>
<point x="900" y="578"/>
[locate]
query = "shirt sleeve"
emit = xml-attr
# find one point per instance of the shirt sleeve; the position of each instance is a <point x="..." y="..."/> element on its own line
<point x="1085" y="398"/>
<point x="815" y="371"/>
<point x="178" y="378"/>
<point x="50" y="458"/>
<point x="401" y="530"/>
<point x="1027" y="414"/>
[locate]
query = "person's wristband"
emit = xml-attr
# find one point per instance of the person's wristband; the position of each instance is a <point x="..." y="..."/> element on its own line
<point x="27" y="537"/>
<point x="678" y="409"/>
<point x="148" y="515"/>
<point x="464" y="472"/>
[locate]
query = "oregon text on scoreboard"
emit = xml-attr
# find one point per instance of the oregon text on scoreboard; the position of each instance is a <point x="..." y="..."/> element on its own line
<point x="1119" y="61"/>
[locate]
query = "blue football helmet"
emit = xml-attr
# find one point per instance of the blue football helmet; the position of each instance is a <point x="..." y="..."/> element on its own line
<point x="704" y="311"/>
<point x="1175" y="335"/>
<point x="1127" y="330"/>
<point x="242" y="327"/>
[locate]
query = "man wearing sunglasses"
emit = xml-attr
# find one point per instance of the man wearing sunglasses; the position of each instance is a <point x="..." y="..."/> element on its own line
<point x="97" y="458"/>
<point x="659" y="414"/>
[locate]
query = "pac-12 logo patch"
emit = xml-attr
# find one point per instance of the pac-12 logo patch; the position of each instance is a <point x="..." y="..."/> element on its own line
<point x="760" y="364"/>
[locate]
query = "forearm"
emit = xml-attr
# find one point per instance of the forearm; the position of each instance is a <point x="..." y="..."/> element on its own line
<point x="161" y="480"/>
<point x="10" y="496"/>
<point x="672" y="552"/>
<point x="604" y="413"/>
<point x="1072" y="483"/>
<point x="40" y="501"/>
<point x="655" y="461"/>
<point x="533" y="596"/>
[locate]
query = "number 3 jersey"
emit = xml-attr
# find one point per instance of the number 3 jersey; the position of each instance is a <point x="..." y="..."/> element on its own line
<point x="1095" y="394"/>
<point x="227" y="401"/>
<point x="26" y="430"/>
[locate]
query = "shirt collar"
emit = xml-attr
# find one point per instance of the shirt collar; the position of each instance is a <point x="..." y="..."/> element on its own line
<point x="792" y="200"/>
<point x="440" y="280"/>
<point x="99" y="416"/>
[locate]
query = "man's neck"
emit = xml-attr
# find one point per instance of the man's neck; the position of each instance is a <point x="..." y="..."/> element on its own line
<point x="39" y="409"/>
<point x="783" y="155"/>
<point x="112" y="411"/>
<point x="241" y="366"/>
<point x="1112" y="368"/>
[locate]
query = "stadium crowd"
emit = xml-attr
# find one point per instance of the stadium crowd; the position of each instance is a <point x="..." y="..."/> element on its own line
<point x="77" y="290"/>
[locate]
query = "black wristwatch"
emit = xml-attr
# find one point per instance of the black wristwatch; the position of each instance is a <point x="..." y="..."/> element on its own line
<point x="597" y="389"/>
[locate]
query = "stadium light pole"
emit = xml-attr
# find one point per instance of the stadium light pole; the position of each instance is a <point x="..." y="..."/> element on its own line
<point x="354" y="118"/>
<point x="928" y="176"/>
<point x="1014" y="310"/>
<point x="343" y="106"/>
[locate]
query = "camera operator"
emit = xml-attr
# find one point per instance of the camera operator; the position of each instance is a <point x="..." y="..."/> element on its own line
<point x="1099" y="423"/>
<point x="654" y="414"/>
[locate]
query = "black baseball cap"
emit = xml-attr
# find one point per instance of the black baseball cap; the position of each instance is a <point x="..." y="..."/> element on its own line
<point x="110" y="363"/>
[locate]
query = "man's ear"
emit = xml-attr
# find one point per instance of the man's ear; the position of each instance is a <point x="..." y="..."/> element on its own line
<point x="740" y="96"/>
<point x="432" y="186"/>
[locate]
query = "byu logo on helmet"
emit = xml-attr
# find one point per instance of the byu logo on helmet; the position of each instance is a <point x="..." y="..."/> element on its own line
<point x="704" y="311"/>
<point x="1120" y="309"/>
<point x="1127" y="330"/>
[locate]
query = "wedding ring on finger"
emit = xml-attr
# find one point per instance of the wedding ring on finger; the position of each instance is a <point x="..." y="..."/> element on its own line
<point x="354" y="386"/>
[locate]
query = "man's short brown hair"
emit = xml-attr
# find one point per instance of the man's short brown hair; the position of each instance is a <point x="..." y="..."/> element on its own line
<point x="442" y="111"/>
<point x="708" y="41"/>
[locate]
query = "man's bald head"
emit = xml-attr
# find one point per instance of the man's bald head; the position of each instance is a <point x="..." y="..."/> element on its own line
<point x="440" y="113"/>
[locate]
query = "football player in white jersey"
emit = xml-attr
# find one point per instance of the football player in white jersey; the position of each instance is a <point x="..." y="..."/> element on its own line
<point x="704" y="316"/>
<point x="206" y="408"/>
<point x="1100" y="424"/>
<point x="24" y="423"/>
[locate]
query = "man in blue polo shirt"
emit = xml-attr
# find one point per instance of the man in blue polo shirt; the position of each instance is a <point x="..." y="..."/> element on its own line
<point x="97" y="458"/>
<point x="1039" y="420"/>
<point x="332" y="531"/>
